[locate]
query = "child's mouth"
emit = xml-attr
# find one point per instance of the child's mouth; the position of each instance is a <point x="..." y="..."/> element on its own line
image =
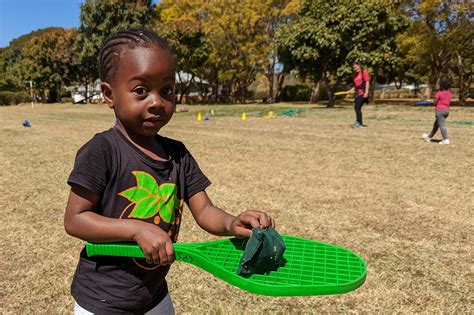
<point x="154" y="121"/>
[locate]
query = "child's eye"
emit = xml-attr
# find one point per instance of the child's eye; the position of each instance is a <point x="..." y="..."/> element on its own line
<point x="140" y="91"/>
<point x="167" y="91"/>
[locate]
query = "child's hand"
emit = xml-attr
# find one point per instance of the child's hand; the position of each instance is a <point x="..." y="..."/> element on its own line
<point x="156" y="244"/>
<point x="243" y="224"/>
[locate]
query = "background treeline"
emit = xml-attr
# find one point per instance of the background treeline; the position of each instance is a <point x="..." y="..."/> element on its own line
<point x="232" y="44"/>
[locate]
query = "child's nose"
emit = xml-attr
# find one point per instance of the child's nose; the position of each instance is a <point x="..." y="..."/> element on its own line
<point x="156" y="102"/>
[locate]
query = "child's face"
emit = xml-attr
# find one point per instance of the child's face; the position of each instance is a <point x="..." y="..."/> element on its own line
<point x="142" y="91"/>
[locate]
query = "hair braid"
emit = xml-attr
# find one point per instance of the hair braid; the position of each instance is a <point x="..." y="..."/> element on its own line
<point x="130" y="38"/>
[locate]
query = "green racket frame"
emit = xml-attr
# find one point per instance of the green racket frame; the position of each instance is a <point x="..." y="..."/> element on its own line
<point x="309" y="268"/>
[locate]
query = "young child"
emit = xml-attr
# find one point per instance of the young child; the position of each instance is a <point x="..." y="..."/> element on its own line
<point x="129" y="184"/>
<point x="442" y="102"/>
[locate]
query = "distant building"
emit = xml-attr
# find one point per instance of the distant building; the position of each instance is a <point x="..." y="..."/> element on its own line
<point x="94" y="93"/>
<point x="392" y="86"/>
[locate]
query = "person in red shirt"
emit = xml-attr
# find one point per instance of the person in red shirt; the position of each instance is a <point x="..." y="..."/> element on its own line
<point x="361" y="81"/>
<point x="442" y="102"/>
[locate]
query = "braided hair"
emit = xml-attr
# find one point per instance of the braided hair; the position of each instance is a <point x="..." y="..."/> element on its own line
<point x="130" y="38"/>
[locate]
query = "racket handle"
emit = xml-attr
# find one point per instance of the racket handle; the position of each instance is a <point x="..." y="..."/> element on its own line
<point x="114" y="249"/>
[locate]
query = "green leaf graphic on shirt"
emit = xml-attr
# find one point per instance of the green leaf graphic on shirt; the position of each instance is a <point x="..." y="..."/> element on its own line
<point x="135" y="194"/>
<point x="146" y="208"/>
<point x="149" y="198"/>
<point x="147" y="181"/>
<point x="168" y="201"/>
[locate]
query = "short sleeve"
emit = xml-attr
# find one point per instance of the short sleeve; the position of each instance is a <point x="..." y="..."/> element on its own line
<point x="92" y="165"/>
<point x="195" y="180"/>
<point x="366" y="75"/>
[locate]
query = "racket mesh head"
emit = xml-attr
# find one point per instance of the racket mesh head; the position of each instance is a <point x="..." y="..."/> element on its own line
<point x="306" y="262"/>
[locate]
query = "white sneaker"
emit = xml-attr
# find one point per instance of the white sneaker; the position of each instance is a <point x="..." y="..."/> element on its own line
<point x="426" y="137"/>
<point x="446" y="141"/>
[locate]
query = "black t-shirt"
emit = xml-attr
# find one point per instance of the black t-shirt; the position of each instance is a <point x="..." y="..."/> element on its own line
<point x="132" y="186"/>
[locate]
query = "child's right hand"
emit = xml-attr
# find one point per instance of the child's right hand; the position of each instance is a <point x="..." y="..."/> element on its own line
<point x="155" y="243"/>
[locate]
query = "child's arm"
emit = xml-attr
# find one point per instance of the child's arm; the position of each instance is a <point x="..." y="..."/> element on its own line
<point x="218" y="222"/>
<point x="367" y="83"/>
<point x="366" y="92"/>
<point x="82" y="222"/>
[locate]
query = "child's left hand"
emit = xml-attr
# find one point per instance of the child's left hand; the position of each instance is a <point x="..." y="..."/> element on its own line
<point x="242" y="225"/>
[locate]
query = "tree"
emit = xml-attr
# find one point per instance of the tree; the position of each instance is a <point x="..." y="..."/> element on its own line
<point x="330" y="35"/>
<point x="45" y="59"/>
<point x="236" y="34"/>
<point x="11" y="78"/>
<point x="99" y="19"/>
<point x="189" y="44"/>
<point x="440" y="41"/>
<point x="277" y="13"/>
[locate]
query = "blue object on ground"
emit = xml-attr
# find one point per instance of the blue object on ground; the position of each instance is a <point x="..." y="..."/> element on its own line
<point x="26" y="123"/>
<point x="424" y="103"/>
<point x="462" y="122"/>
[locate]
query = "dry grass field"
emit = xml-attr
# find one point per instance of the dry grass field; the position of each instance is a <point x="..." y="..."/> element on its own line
<point x="405" y="206"/>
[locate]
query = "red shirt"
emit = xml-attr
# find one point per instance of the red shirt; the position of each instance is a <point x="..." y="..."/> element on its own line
<point x="442" y="100"/>
<point x="357" y="78"/>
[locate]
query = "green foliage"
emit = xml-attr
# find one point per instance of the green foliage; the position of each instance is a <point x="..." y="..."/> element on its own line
<point x="190" y="46"/>
<point x="13" y="98"/>
<point x="439" y="42"/>
<point x="238" y="37"/>
<point x="295" y="93"/>
<point x="229" y="43"/>
<point x="46" y="60"/>
<point x="99" y="19"/>
<point x="330" y="35"/>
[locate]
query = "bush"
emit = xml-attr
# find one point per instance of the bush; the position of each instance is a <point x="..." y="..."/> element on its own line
<point x="295" y="93"/>
<point x="13" y="98"/>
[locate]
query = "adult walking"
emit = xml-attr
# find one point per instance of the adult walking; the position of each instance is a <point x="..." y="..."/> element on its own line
<point x="361" y="79"/>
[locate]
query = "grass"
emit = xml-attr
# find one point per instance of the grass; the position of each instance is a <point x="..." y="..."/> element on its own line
<point x="404" y="205"/>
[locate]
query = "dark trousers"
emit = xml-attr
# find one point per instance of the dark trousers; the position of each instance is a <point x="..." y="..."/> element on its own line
<point x="359" y="101"/>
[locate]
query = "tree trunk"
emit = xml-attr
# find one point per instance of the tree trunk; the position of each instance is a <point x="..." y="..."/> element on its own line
<point x="271" y="77"/>
<point x="184" y="91"/>
<point x="215" y="92"/>
<point x="315" y="91"/>
<point x="373" y="80"/>
<point x="462" y="95"/>
<point x="86" y="86"/>
<point x="280" y="81"/>
<point x="329" y="92"/>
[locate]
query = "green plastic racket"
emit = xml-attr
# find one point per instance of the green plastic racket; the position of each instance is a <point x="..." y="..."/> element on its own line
<point x="309" y="267"/>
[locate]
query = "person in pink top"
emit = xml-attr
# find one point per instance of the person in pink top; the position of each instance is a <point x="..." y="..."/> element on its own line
<point x="361" y="81"/>
<point x="442" y="102"/>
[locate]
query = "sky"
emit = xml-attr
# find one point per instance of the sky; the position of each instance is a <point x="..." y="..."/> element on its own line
<point x="20" y="17"/>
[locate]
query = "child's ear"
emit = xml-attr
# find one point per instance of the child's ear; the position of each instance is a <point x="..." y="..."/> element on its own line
<point x="107" y="93"/>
